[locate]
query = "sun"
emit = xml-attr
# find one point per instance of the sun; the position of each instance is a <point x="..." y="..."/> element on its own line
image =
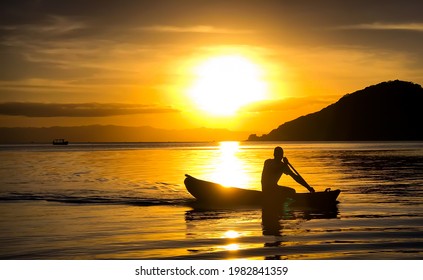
<point x="223" y="84"/>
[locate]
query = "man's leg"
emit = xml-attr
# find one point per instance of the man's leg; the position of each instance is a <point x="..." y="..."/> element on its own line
<point x="286" y="191"/>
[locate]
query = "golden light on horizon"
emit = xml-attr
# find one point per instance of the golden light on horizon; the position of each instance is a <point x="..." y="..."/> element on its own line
<point x="223" y="84"/>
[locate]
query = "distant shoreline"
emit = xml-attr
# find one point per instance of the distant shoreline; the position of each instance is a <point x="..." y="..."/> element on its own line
<point x="215" y="142"/>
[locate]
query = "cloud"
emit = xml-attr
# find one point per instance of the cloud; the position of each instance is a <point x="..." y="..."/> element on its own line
<point x="417" y="26"/>
<point x="287" y="104"/>
<point x="193" y="29"/>
<point x="56" y="26"/>
<point x="79" y="109"/>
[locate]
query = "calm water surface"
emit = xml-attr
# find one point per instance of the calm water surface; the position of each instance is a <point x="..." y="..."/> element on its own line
<point x="128" y="201"/>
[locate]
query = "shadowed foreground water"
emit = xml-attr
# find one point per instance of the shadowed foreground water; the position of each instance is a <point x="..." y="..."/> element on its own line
<point x="128" y="201"/>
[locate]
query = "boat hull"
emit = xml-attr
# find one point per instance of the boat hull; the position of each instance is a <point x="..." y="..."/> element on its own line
<point x="212" y="194"/>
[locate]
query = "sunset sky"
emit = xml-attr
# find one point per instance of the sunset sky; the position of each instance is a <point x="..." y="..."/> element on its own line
<point x="243" y="65"/>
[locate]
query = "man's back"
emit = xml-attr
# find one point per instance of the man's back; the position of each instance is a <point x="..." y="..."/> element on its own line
<point x="272" y="172"/>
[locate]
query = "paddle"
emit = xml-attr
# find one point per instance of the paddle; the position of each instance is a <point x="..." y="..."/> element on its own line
<point x="296" y="172"/>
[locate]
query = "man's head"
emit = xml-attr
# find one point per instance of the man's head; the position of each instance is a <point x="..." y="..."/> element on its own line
<point x="278" y="153"/>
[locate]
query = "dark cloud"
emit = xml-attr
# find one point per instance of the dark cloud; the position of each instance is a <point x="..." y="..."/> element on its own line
<point x="78" y="110"/>
<point x="106" y="17"/>
<point x="270" y="13"/>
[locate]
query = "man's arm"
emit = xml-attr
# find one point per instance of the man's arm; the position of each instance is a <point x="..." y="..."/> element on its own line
<point x="297" y="177"/>
<point x="302" y="182"/>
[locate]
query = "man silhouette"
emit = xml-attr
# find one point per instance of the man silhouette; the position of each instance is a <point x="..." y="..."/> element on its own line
<point x="272" y="172"/>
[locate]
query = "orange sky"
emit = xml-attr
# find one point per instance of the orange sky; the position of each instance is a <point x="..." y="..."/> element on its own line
<point x="135" y="63"/>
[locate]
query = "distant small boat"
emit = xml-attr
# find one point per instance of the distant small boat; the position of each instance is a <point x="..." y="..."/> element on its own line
<point x="60" y="142"/>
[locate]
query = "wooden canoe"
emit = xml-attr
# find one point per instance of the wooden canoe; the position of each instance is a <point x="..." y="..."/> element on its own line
<point x="213" y="194"/>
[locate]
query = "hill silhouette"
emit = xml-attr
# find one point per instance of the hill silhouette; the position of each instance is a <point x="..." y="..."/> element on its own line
<point x="388" y="111"/>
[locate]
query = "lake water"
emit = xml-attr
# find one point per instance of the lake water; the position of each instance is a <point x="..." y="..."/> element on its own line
<point x="128" y="201"/>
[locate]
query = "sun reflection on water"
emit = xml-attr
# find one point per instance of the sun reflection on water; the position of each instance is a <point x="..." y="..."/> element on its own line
<point x="231" y="234"/>
<point x="230" y="170"/>
<point x="232" y="247"/>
